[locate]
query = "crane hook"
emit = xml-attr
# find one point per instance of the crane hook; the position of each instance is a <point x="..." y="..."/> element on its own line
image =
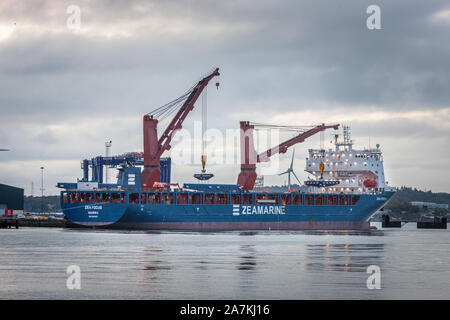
<point x="217" y="85"/>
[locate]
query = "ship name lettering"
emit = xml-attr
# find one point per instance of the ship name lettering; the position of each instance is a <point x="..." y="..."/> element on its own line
<point x="247" y="210"/>
<point x="93" y="207"/>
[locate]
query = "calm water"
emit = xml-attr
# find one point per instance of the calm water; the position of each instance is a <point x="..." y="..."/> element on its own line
<point x="224" y="265"/>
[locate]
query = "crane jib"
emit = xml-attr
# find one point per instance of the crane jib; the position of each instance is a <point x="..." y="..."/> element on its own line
<point x="154" y="147"/>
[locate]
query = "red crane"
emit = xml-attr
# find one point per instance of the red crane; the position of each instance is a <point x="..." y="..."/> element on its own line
<point x="154" y="147"/>
<point x="249" y="158"/>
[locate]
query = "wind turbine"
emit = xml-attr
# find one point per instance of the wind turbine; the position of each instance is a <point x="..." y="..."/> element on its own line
<point x="291" y="170"/>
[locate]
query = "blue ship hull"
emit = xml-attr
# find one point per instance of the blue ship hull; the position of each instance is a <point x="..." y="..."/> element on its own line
<point x="204" y="217"/>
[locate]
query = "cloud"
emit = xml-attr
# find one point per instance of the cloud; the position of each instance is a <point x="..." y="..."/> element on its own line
<point x="441" y="16"/>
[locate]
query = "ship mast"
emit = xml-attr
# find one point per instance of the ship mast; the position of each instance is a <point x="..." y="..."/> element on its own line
<point x="347" y="142"/>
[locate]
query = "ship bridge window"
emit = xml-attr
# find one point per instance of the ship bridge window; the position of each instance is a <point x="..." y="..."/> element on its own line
<point x="235" y="199"/>
<point x="209" y="198"/>
<point x="286" y="199"/>
<point x="143" y="198"/>
<point x="182" y="198"/>
<point x="297" y="199"/>
<point x="221" y="198"/>
<point x="168" y="198"/>
<point x="332" y="200"/>
<point x="154" y="198"/>
<point x="117" y="197"/>
<point x="195" y="198"/>
<point x="267" y="199"/>
<point x="247" y="199"/>
<point x="134" y="198"/>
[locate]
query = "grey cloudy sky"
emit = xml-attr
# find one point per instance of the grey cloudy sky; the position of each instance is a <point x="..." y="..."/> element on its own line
<point x="64" y="92"/>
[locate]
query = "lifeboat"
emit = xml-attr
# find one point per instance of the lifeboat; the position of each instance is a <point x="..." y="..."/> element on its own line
<point x="369" y="183"/>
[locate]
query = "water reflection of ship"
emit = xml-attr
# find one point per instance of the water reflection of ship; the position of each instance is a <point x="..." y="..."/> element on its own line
<point x="153" y="266"/>
<point x="343" y="257"/>
<point x="246" y="265"/>
<point x="247" y="261"/>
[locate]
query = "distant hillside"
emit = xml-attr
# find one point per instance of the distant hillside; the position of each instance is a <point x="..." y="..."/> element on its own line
<point x="409" y="194"/>
<point x="399" y="206"/>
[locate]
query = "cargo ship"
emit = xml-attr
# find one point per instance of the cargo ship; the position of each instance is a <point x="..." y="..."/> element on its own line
<point x="346" y="186"/>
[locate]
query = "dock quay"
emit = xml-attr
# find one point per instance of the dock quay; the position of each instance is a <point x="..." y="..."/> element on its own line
<point x="50" y="223"/>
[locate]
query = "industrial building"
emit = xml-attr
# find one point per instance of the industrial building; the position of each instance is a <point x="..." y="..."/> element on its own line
<point x="429" y="205"/>
<point x="11" y="198"/>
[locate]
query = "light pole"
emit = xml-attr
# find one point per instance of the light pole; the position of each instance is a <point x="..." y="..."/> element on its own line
<point x="42" y="189"/>
<point x="107" y="147"/>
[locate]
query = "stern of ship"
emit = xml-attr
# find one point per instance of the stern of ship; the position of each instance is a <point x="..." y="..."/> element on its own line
<point x="94" y="214"/>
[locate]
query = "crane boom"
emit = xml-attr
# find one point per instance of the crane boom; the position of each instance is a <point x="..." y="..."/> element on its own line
<point x="154" y="147"/>
<point x="282" y="147"/>
<point x="177" y="121"/>
<point x="249" y="158"/>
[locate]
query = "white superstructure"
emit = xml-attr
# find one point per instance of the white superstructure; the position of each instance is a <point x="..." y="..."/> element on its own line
<point x="357" y="171"/>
